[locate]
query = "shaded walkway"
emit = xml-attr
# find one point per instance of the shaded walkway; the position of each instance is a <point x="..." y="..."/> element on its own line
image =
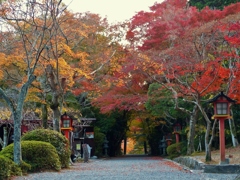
<point x="126" y="168"/>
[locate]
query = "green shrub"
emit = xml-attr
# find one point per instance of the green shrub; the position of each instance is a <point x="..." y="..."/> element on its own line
<point x="184" y="148"/>
<point x="8" y="168"/>
<point x="98" y="140"/>
<point x="25" y="167"/>
<point x="174" y="150"/>
<point x="40" y="155"/>
<point x="55" y="138"/>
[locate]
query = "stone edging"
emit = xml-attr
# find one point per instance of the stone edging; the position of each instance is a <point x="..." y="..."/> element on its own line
<point x="224" y="169"/>
<point x="190" y="162"/>
<point x="195" y="164"/>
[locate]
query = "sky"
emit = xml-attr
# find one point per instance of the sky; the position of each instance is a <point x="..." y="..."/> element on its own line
<point x="113" y="10"/>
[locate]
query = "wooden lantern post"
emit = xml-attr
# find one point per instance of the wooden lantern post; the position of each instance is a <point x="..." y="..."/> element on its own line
<point x="221" y="104"/>
<point x="66" y="125"/>
<point x="177" y="129"/>
<point x="169" y="139"/>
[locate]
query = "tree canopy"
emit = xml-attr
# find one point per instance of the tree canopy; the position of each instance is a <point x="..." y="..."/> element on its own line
<point x="213" y="4"/>
<point x="177" y="57"/>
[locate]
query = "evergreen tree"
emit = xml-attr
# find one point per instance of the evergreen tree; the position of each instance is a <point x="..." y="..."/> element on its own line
<point x="213" y="4"/>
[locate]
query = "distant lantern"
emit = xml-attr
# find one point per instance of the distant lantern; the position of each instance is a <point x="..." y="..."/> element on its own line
<point x="66" y="125"/>
<point x="221" y="104"/>
<point x="176" y="130"/>
<point x="169" y="139"/>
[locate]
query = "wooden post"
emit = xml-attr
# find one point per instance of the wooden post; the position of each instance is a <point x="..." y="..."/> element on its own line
<point x="222" y="140"/>
<point x="177" y="138"/>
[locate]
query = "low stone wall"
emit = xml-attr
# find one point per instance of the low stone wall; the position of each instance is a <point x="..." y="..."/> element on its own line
<point x="225" y="169"/>
<point x="195" y="164"/>
<point x="190" y="162"/>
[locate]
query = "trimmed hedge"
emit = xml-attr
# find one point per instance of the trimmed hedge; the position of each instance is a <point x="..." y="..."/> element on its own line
<point x="55" y="138"/>
<point x="8" y="168"/>
<point x="40" y="155"/>
<point x="174" y="150"/>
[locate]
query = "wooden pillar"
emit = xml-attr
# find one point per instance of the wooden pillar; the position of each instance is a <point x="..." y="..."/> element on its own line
<point x="177" y="138"/>
<point x="66" y="133"/>
<point x="222" y="140"/>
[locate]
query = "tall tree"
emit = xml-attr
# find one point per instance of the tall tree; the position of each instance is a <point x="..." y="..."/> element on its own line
<point x="233" y="40"/>
<point x="28" y="25"/>
<point x="73" y="60"/>
<point x="213" y="4"/>
<point x="187" y="44"/>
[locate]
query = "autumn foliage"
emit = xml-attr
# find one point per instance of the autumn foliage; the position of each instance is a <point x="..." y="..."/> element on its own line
<point x="192" y="54"/>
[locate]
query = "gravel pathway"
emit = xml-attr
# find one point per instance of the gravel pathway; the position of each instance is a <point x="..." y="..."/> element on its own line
<point x="127" y="168"/>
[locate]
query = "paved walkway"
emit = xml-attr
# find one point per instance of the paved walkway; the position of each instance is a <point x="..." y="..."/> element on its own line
<point x="127" y="168"/>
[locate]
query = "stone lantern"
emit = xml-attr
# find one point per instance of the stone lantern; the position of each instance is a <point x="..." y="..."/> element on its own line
<point x="105" y="147"/>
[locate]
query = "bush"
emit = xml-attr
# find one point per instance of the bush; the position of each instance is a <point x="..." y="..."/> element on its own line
<point x="40" y="155"/>
<point x="98" y="140"/>
<point x="8" y="168"/>
<point x="25" y="167"/>
<point x="55" y="138"/>
<point x="174" y="150"/>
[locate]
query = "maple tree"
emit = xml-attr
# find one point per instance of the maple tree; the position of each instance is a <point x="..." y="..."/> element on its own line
<point x="70" y="61"/>
<point x="187" y="44"/>
<point x="74" y="61"/>
<point x="124" y="87"/>
<point x="28" y="27"/>
<point x="232" y="53"/>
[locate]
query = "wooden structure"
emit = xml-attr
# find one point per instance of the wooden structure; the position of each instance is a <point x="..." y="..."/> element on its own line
<point x="176" y="130"/>
<point x="79" y="131"/>
<point x="169" y="139"/>
<point x="83" y="133"/>
<point x="221" y="104"/>
<point x="66" y="125"/>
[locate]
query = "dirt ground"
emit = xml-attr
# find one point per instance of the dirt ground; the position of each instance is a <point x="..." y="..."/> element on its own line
<point x="232" y="153"/>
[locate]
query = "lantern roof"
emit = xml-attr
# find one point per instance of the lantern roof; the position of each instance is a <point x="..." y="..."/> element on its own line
<point x="221" y="94"/>
<point x="65" y="114"/>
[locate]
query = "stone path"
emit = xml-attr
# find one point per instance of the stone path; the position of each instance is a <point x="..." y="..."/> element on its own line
<point x="127" y="168"/>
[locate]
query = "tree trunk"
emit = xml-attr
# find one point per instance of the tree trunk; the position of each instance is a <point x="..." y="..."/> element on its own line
<point x="193" y="119"/>
<point x="44" y="116"/>
<point x="208" y="155"/>
<point x="233" y="132"/>
<point x="5" y="137"/>
<point x="17" y="116"/>
<point x="125" y="146"/>
<point x="56" y="113"/>
<point x="56" y="118"/>
<point x="17" y="137"/>
<point x="208" y="143"/>
<point x="145" y="147"/>
<point x="57" y="92"/>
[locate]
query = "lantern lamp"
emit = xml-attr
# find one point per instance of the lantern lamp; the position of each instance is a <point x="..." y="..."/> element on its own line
<point x="176" y="130"/>
<point x="66" y="125"/>
<point x="221" y="104"/>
